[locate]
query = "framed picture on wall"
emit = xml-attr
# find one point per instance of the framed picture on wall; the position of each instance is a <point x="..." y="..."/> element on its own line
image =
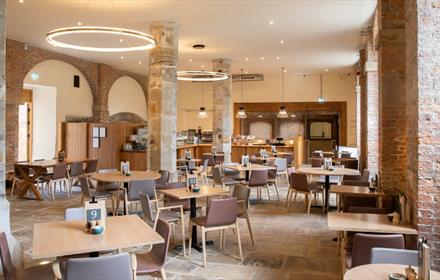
<point x="95" y="143"/>
<point x="95" y="132"/>
<point x="102" y="132"/>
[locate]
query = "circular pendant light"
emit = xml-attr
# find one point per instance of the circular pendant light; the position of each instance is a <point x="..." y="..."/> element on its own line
<point x="202" y="112"/>
<point x="241" y="114"/>
<point x="282" y="113"/>
<point x="53" y="37"/>
<point x="321" y="98"/>
<point x="201" y="76"/>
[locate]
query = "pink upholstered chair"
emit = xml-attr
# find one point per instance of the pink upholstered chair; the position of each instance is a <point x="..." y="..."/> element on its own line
<point x="298" y="183"/>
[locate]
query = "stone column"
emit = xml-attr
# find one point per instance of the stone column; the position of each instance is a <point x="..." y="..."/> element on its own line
<point x="162" y="89"/>
<point x="392" y="100"/>
<point x="222" y="115"/>
<point x="5" y="222"/>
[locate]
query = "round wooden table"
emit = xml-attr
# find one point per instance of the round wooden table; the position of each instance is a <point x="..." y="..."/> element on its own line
<point x="117" y="177"/>
<point x="380" y="272"/>
<point x="327" y="173"/>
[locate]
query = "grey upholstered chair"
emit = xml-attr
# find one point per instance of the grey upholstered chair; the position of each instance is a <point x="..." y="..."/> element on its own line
<point x="39" y="272"/>
<point x="298" y="183"/>
<point x="165" y="214"/>
<point x="222" y="180"/>
<point x="91" y="167"/>
<point x="281" y="164"/>
<point x="242" y="193"/>
<point x="99" y="195"/>
<point x="272" y="176"/>
<point x="364" y="242"/>
<point x="258" y="179"/>
<point x="394" y="256"/>
<point x="164" y="178"/>
<point x="153" y="262"/>
<point x="59" y="176"/>
<point x="221" y="214"/>
<point x="136" y="187"/>
<point x="113" y="267"/>
<point x="365" y="177"/>
<point x="76" y="170"/>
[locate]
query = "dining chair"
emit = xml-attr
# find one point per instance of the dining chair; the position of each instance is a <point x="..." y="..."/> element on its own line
<point x="298" y="183"/>
<point x="360" y="253"/>
<point x="170" y="201"/>
<point x="164" y="213"/>
<point x="91" y="166"/>
<point x="76" y="170"/>
<point x="352" y="164"/>
<point x="17" y="176"/>
<point x="364" y="177"/>
<point x="131" y="195"/>
<point x="242" y="193"/>
<point x="164" y="178"/>
<point x="350" y="201"/>
<point x="106" y="186"/>
<point x="114" y="267"/>
<point x="281" y="164"/>
<point x="202" y="172"/>
<point x="153" y="263"/>
<point x="220" y="215"/>
<point x="59" y="176"/>
<point x="258" y="180"/>
<point x="86" y="193"/>
<point x="221" y="180"/>
<point x="39" y="272"/>
<point x="210" y="159"/>
<point x="316" y="162"/>
<point x="272" y="178"/>
<point x="394" y="256"/>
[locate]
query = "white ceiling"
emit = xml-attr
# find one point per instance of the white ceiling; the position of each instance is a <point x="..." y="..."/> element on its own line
<point x="318" y="34"/>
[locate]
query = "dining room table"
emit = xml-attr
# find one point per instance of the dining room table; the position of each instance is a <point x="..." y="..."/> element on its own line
<point x="124" y="179"/>
<point x="381" y="272"/>
<point x="66" y="238"/>
<point x="358" y="191"/>
<point x="248" y="168"/>
<point x="31" y="171"/>
<point x="334" y="171"/>
<point x="185" y="193"/>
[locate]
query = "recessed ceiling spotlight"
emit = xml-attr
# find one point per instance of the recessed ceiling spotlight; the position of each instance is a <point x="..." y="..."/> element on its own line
<point x="121" y="40"/>
<point x="247" y="58"/>
<point x="203" y="66"/>
<point x="245" y="72"/>
<point x="285" y="71"/>
<point x="262" y="58"/>
<point x="277" y="58"/>
<point x="292" y="116"/>
<point x="271" y="22"/>
<point x="139" y="62"/>
<point x="326" y="70"/>
<point x="282" y="41"/>
<point x="79" y="23"/>
<point x="260" y="116"/>
<point x="199" y="46"/>
<point x="122" y="57"/>
<point x="21" y="1"/>
<point x="190" y="60"/>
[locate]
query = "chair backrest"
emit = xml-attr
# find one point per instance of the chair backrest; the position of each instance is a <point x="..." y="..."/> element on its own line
<point x="317" y="154"/>
<point x="221" y="212"/>
<point x="219" y="159"/>
<point x="299" y="182"/>
<point x="209" y="158"/>
<point x="394" y="256"/>
<point x="356" y="201"/>
<point x="272" y="174"/>
<point x="368" y="210"/>
<point x="92" y="166"/>
<point x="159" y="251"/>
<point x="164" y="177"/>
<point x="191" y="165"/>
<point x="59" y="171"/>
<point x="76" y="168"/>
<point x="281" y="164"/>
<point x="85" y="187"/>
<point x="288" y="157"/>
<point x="355" y="183"/>
<point x="365" y="175"/>
<point x="351" y="164"/>
<point x="5" y="257"/>
<point x="242" y="192"/>
<point x="364" y="242"/>
<point x="216" y="174"/>
<point x="74" y="214"/>
<point x="114" y="267"/>
<point x="316" y="162"/>
<point x="148" y="187"/>
<point x="205" y="164"/>
<point x="258" y="178"/>
<point x="352" y="178"/>
<point x="145" y="205"/>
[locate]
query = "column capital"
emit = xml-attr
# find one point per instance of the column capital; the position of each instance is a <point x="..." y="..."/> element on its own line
<point x="166" y="34"/>
<point x="221" y="65"/>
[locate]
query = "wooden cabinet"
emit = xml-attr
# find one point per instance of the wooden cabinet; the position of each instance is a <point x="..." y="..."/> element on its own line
<point x="137" y="159"/>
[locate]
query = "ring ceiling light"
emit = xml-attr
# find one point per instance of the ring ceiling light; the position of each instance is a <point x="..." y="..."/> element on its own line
<point x="201" y="76"/>
<point x="149" y="41"/>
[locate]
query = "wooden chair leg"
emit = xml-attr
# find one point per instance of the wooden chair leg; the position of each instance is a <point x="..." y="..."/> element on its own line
<point x="323" y="207"/>
<point x="268" y="193"/>
<point x="162" y="274"/>
<point x="204" y="246"/>
<point x="276" y="189"/>
<point x="52" y="187"/>
<point x="287" y="197"/>
<point x="250" y="229"/>
<point x="13" y="187"/>
<point x="239" y="240"/>
<point x="221" y="240"/>
<point x="309" y="203"/>
<point x="182" y="222"/>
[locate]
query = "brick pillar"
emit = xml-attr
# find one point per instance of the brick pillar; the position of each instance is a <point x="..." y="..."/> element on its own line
<point x="423" y="113"/>
<point x="392" y="100"/>
<point x="222" y="116"/>
<point x="162" y="89"/>
<point x="5" y="222"/>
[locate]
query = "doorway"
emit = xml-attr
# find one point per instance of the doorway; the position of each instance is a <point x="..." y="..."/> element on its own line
<point x="322" y="133"/>
<point x="25" y="126"/>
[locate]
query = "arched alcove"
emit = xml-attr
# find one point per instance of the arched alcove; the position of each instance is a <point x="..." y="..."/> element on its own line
<point x="127" y="96"/>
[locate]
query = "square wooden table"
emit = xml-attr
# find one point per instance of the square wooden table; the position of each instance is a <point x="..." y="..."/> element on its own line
<point x="249" y="168"/>
<point x="372" y="223"/>
<point x="360" y="191"/>
<point x="184" y="193"/>
<point x="65" y="238"/>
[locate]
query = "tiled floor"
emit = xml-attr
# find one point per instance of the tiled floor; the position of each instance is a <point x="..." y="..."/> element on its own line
<point x="288" y="245"/>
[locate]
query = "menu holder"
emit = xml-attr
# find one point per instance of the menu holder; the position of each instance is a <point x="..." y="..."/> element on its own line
<point x="125" y="167"/>
<point x="244" y="160"/>
<point x="191" y="182"/>
<point x="95" y="214"/>
<point x="423" y="259"/>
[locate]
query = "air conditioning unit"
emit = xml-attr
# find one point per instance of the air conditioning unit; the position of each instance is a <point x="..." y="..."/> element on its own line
<point x="247" y="77"/>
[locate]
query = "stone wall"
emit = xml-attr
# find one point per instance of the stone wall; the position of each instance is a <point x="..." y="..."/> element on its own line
<point x="20" y="59"/>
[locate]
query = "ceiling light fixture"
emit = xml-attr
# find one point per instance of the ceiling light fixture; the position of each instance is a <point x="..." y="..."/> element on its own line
<point x="241" y="114"/>
<point x="326" y="70"/>
<point x="21" y="1"/>
<point x="202" y="112"/>
<point x="202" y="66"/>
<point x="321" y="98"/>
<point x="139" y="62"/>
<point x="190" y="60"/>
<point x="271" y="22"/>
<point x="201" y="76"/>
<point x="79" y="23"/>
<point x="122" y="57"/>
<point x="199" y="46"/>
<point x="149" y="41"/>
<point x="282" y="41"/>
<point x="262" y="58"/>
<point x="277" y="58"/>
<point x="282" y="113"/>
<point x="247" y="58"/>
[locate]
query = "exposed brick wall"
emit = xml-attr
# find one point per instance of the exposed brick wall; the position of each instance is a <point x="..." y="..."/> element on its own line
<point x="392" y="100"/>
<point x="364" y="110"/>
<point x="126" y="117"/>
<point x="20" y="60"/>
<point x="423" y="111"/>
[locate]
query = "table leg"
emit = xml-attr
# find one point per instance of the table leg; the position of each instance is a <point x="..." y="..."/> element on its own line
<point x="247" y="173"/>
<point x="327" y="188"/>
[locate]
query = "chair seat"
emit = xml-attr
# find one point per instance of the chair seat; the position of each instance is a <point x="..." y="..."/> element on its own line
<point x="316" y="186"/>
<point x="169" y="216"/>
<point x="229" y="181"/>
<point x="147" y="263"/>
<point x="39" y="272"/>
<point x="201" y="221"/>
<point x="101" y="194"/>
<point x="246" y="183"/>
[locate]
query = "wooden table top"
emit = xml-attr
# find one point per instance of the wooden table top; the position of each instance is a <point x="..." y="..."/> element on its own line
<point x="183" y="193"/>
<point x="335" y="172"/>
<point x="216" y="154"/>
<point x="64" y="238"/>
<point x="51" y="162"/>
<point x="251" y="167"/>
<point x="268" y="158"/>
<point x="355" y="191"/>
<point x="359" y="222"/>
<point x="117" y="177"/>
<point x="193" y="159"/>
<point x="343" y="159"/>
<point x="380" y="272"/>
